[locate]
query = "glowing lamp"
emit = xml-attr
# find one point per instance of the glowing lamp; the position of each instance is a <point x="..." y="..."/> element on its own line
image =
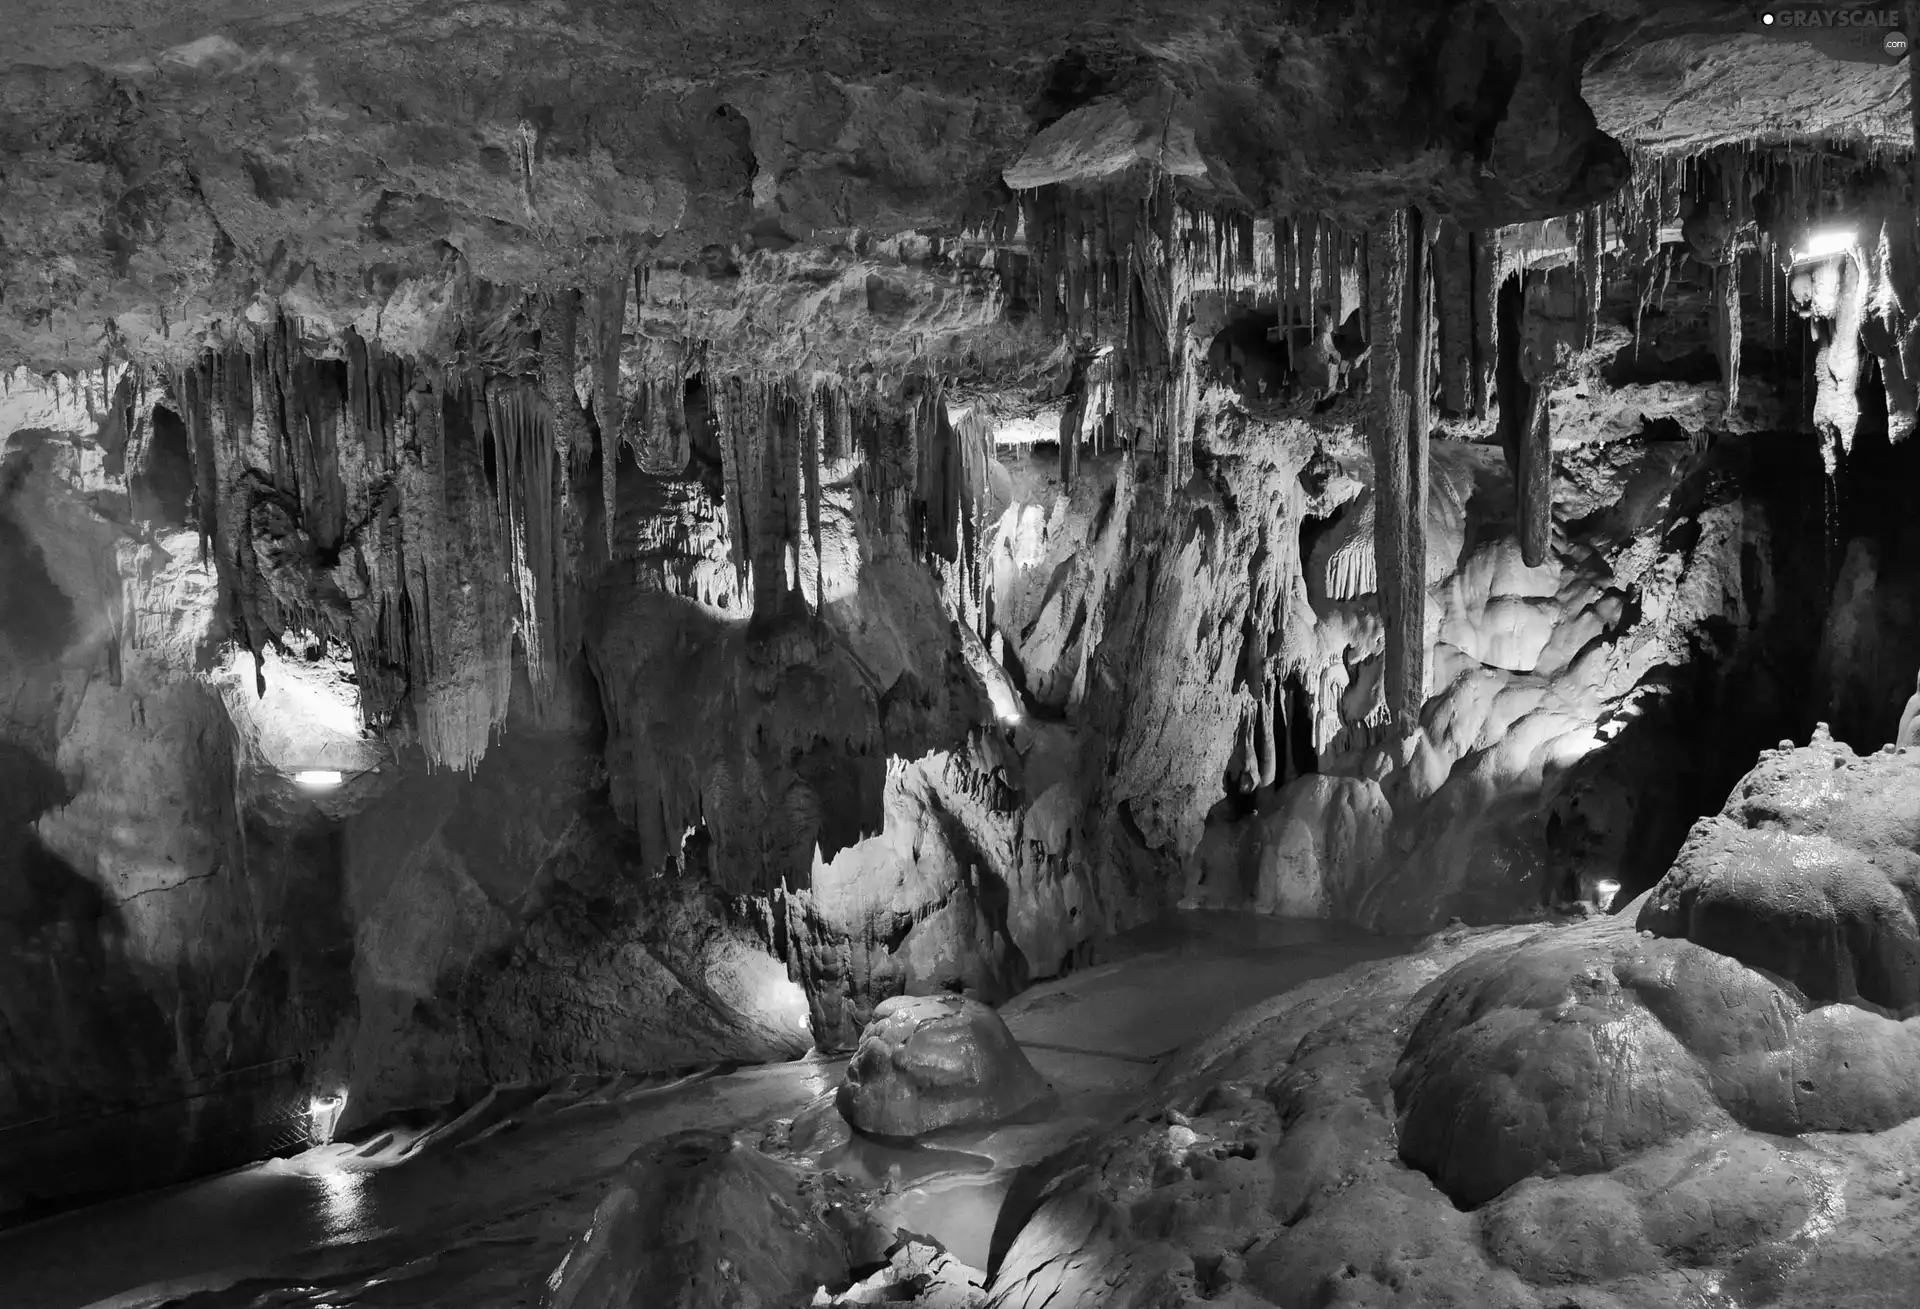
<point x="1604" y="891"/>
<point x="323" y="1116"/>
<point x="1825" y="244"/>
<point x="319" y="779"/>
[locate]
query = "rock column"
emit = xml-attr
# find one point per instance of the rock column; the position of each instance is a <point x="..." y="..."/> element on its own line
<point x="1399" y="313"/>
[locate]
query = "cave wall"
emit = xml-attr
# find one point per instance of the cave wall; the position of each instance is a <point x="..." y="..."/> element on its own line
<point x="826" y="703"/>
<point x="754" y="796"/>
<point x="168" y="960"/>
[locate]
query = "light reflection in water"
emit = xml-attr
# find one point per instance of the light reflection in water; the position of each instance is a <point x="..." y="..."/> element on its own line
<point x="346" y="1209"/>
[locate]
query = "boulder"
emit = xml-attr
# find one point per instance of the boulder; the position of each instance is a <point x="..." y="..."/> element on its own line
<point x="931" y="1062"/>
<point x="1811" y="872"/>
<point x="1762" y="984"/>
<point x="699" y="1221"/>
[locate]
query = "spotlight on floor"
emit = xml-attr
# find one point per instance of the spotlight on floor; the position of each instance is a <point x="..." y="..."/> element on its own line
<point x="323" y="1116"/>
<point x="1825" y="244"/>
<point x="319" y="779"/>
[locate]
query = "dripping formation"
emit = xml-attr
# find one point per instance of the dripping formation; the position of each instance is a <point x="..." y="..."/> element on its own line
<point x="363" y="465"/>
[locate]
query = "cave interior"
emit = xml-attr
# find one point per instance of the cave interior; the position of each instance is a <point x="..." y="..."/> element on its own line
<point x="1118" y="655"/>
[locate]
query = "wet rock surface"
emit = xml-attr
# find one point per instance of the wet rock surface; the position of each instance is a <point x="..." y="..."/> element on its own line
<point x="1811" y="873"/>
<point x="698" y="1222"/>
<point x="1591" y="1113"/>
<point x="931" y="1062"/>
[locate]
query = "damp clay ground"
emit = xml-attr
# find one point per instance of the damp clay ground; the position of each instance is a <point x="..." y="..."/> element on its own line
<point x="484" y="1222"/>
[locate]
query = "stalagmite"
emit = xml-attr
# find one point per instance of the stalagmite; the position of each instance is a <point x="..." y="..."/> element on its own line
<point x="1398" y="310"/>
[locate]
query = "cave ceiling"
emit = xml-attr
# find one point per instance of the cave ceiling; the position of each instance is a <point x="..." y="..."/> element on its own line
<point x="815" y="184"/>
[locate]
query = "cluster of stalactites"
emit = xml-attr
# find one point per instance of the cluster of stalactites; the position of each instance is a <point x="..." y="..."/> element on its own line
<point x="527" y="490"/>
<point x="409" y="511"/>
<point x="784" y="439"/>
<point x="1116" y="277"/>
<point x="1721" y="205"/>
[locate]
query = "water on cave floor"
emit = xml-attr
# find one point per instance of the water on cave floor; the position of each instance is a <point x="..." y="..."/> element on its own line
<point x="481" y="1225"/>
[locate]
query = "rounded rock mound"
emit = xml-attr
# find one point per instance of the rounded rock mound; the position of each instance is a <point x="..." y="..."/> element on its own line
<point x="697" y="1220"/>
<point x="930" y="1062"/>
<point x="1810" y="873"/>
<point x="1767" y="983"/>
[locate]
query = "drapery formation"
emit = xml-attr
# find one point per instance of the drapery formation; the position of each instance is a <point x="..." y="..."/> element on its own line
<point x="408" y="511"/>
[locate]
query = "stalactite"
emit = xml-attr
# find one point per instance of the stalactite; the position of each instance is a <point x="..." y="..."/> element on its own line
<point x="1352" y="566"/>
<point x="660" y="441"/>
<point x="1545" y="310"/>
<point x="609" y="409"/>
<point x="1266" y="752"/>
<point x="814" y="437"/>
<point x="1396" y="431"/>
<point x="559" y="332"/>
<point x="458" y="634"/>
<point x="190" y="390"/>
<point x="1072" y="421"/>
<point x="1454" y="285"/>
<point x="525" y="454"/>
<point x="313" y="423"/>
<point x="1836" y="406"/>
<point x="1727" y="334"/>
<point x="790" y="431"/>
<point x="1592" y="262"/>
<point x="1485" y="253"/>
<point x="1534" y="478"/>
<point x="723" y="395"/>
<point x="760" y="483"/>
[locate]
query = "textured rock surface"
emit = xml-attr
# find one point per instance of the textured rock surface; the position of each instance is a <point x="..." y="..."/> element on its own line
<point x="607" y="439"/>
<point x="931" y="1062"/>
<point x="313" y="155"/>
<point x="1559" y="692"/>
<point x="1811" y="873"/>
<point x="698" y="1221"/>
<point x="1583" y="1114"/>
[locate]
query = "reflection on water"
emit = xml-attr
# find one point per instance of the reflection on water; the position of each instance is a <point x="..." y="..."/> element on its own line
<point x="345" y="1208"/>
<point x="959" y="1212"/>
<point x="481" y="1221"/>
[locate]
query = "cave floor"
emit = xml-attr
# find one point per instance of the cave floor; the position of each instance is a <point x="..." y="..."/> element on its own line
<point x="482" y="1224"/>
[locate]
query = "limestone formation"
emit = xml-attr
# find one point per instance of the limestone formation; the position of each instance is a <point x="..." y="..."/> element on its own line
<point x="698" y="1221"/>
<point x="570" y="541"/>
<point x="1587" y="1112"/>
<point x="927" y="1063"/>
